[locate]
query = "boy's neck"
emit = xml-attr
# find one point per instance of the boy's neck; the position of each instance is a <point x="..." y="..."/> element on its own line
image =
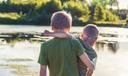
<point x="58" y="30"/>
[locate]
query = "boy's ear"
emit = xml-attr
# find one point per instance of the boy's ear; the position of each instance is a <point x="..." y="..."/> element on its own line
<point x="67" y="29"/>
<point x="94" y="40"/>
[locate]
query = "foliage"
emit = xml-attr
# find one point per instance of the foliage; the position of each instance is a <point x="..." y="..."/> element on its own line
<point x="102" y="14"/>
<point x="127" y="17"/>
<point x="24" y="8"/>
<point x="38" y="12"/>
<point x="10" y="15"/>
<point x="79" y="11"/>
<point x="99" y="13"/>
<point x="45" y="11"/>
<point x="111" y="17"/>
<point x="52" y="6"/>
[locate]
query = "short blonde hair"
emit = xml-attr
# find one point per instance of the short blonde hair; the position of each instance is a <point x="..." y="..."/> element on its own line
<point x="61" y="20"/>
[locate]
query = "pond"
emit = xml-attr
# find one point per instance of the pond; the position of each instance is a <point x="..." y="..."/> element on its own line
<point x="18" y="56"/>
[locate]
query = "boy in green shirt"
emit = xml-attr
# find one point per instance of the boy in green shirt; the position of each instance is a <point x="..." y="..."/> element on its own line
<point x="87" y="39"/>
<point x="60" y="54"/>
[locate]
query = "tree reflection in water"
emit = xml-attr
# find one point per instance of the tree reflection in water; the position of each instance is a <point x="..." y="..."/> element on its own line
<point x="102" y="45"/>
<point x="112" y="46"/>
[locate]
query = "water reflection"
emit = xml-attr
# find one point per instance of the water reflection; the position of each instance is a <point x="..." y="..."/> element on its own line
<point x="13" y="41"/>
<point x="18" y="56"/>
<point x="112" y="46"/>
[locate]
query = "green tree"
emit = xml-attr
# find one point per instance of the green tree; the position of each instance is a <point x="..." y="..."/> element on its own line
<point x="104" y="3"/>
<point x="52" y="6"/>
<point x="127" y="17"/>
<point x="44" y="12"/>
<point x="79" y="11"/>
<point x="99" y="13"/>
<point x="111" y="17"/>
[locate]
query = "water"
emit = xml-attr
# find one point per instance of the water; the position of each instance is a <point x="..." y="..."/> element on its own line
<point x="18" y="57"/>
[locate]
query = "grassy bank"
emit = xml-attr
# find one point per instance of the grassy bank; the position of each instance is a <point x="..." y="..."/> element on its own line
<point x="120" y="23"/>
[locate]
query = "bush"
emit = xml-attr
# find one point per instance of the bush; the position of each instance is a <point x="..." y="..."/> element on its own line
<point x="102" y="14"/>
<point x="24" y="8"/>
<point x="46" y="10"/>
<point x="52" y="6"/>
<point x="111" y="17"/>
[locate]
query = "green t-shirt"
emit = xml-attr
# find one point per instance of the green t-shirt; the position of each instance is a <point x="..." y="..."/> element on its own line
<point x="61" y="56"/>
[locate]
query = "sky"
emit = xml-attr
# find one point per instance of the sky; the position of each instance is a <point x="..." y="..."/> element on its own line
<point x="123" y="4"/>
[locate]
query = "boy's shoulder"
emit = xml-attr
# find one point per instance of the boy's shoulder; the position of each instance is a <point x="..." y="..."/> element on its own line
<point x="47" y="41"/>
<point x="75" y="41"/>
<point x="74" y="37"/>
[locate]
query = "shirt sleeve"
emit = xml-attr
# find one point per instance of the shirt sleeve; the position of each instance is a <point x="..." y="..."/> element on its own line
<point x="42" y="56"/>
<point x="79" y="48"/>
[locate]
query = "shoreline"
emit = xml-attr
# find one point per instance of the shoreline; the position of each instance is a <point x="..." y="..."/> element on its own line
<point x="99" y="25"/>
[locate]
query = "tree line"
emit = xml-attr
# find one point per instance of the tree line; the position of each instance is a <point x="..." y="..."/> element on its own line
<point x="38" y="12"/>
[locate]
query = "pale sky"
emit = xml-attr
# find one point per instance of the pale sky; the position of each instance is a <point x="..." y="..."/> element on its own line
<point x="123" y="4"/>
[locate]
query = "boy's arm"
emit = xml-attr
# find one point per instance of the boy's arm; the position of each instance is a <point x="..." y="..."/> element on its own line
<point x="43" y="69"/>
<point x="90" y="66"/>
<point x="89" y="73"/>
<point x="94" y="61"/>
<point x="56" y="34"/>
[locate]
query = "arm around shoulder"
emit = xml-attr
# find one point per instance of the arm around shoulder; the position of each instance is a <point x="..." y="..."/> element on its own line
<point x="84" y="58"/>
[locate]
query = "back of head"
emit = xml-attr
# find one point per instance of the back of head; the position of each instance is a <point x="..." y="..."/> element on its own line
<point x="61" y="20"/>
<point x="91" y="31"/>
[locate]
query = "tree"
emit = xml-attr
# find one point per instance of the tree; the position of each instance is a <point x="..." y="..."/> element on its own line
<point x="78" y="10"/>
<point x="99" y="13"/>
<point x="113" y="3"/>
<point x="52" y="6"/>
<point x="111" y="17"/>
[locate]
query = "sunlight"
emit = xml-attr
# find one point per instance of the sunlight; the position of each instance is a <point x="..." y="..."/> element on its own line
<point x="123" y="4"/>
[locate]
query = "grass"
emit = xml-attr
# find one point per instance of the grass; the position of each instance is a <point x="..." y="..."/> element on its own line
<point x="11" y="15"/>
<point x="110" y="22"/>
<point x="19" y="60"/>
<point x="23" y="1"/>
<point x="38" y="3"/>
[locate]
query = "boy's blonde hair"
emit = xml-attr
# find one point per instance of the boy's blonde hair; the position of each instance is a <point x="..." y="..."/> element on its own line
<point x="61" y="20"/>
